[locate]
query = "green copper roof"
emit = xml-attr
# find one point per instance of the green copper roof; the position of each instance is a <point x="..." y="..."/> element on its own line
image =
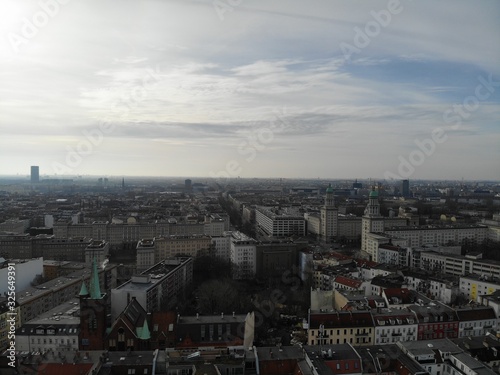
<point x="83" y="290"/>
<point x="373" y="193"/>
<point x="329" y="189"/>
<point x="143" y="332"/>
<point x="95" y="289"/>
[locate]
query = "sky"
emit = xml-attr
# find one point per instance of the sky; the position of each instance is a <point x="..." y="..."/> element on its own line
<point x="251" y="88"/>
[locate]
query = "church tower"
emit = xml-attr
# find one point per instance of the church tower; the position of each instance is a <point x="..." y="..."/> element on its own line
<point x="329" y="217"/>
<point x="372" y="221"/>
<point x="92" y="313"/>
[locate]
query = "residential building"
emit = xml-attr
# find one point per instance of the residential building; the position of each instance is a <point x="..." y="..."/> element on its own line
<point x="275" y="223"/>
<point x="476" y="320"/>
<point x="392" y="326"/>
<point x="145" y="254"/>
<point x="215" y="331"/>
<point x="54" y="330"/>
<point x="435" y="321"/>
<point x="98" y="251"/>
<point x="155" y="288"/>
<point x="243" y="255"/>
<point x="275" y="258"/>
<point x="442" y="356"/>
<point x="181" y="245"/>
<point x="342" y="327"/>
<point x="473" y="286"/>
<point x="8" y="309"/>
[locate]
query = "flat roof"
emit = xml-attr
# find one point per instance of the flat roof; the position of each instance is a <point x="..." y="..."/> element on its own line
<point x="65" y="313"/>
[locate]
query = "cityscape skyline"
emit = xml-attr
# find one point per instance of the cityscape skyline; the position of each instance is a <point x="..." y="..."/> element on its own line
<point x="385" y="90"/>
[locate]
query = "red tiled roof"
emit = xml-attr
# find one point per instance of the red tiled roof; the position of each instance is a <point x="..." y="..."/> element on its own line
<point x="352" y="283"/>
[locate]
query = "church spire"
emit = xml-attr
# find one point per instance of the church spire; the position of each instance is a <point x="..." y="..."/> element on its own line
<point x="83" y="290"/>
<point x="95" y="289"/>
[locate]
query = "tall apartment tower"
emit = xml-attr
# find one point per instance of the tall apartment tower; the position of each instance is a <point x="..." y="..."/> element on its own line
<point x="329" y="217"/>
<point x="371" y="221"/>
<point x="35" y="174"/>
<point x="92" y="313"/>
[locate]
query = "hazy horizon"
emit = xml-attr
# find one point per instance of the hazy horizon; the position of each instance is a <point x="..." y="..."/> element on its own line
<point x="380" y="89"/>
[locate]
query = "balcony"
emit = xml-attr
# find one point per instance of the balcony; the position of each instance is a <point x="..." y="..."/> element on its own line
<point x="363" y="334"/>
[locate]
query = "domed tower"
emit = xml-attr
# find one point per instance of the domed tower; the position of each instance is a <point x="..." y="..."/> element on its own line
<point x="372" y="222"/>
<point x="329" y="217"/>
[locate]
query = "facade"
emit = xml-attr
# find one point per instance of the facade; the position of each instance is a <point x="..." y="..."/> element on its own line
<point x="443" y="289"/>
<point x="476" y="320"/>
<point x="473" y="286"/>
<point x="56" y="329"/>
<point x="435" y="321"/>
<point x="145" y="256"/>
<point x="371" y="222"/>
<point x="184" y="245"/>
<point x="221" y="246"/>
<point x="342" y="327"/>
<point x="393" y="255"/>
<point x="460" y="265"/>
<point x="7" y="312"/>
<point x="35" y="174"/>
<point x="117" y="234"/>
<point x="155" y="288"/>
<point x="215" y="331"/>
<point x="278" y="225"/>
<point x="15" y="226"/>
<point x="439" y="235"/>
<point x="329" y="218"/>
<point x="392" y="326"/>
<point x="243" y="256"/>
<point x="98" y="251"/>
<point x="275" y="258"/>
<point x="442" y="356"/>
<point x="349" y="227"/>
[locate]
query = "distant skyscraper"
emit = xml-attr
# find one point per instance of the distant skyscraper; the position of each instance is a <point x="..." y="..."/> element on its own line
<point x="405" y="188"/>
<point x="35" y="174"/>
<point x="188" y="185"/>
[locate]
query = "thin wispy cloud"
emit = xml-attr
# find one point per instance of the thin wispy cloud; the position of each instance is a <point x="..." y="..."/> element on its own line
<point x="183" y="84"/>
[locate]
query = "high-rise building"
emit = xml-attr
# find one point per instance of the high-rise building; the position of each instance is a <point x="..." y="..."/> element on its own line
<point x="35" y="174"/>
<point x="405" y="188"/>
<point x="329" y="217"/>
<point x="188" y="186"/>
<point x="372" y="221"/>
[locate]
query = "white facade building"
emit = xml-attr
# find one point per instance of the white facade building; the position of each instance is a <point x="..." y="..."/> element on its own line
<point x="276" y="224"/>
<point x="243" y="255"/>
<point x="394" y="326"/>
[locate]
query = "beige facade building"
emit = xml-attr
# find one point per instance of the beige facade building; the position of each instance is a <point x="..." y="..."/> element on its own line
<point x="190" y="245"/>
